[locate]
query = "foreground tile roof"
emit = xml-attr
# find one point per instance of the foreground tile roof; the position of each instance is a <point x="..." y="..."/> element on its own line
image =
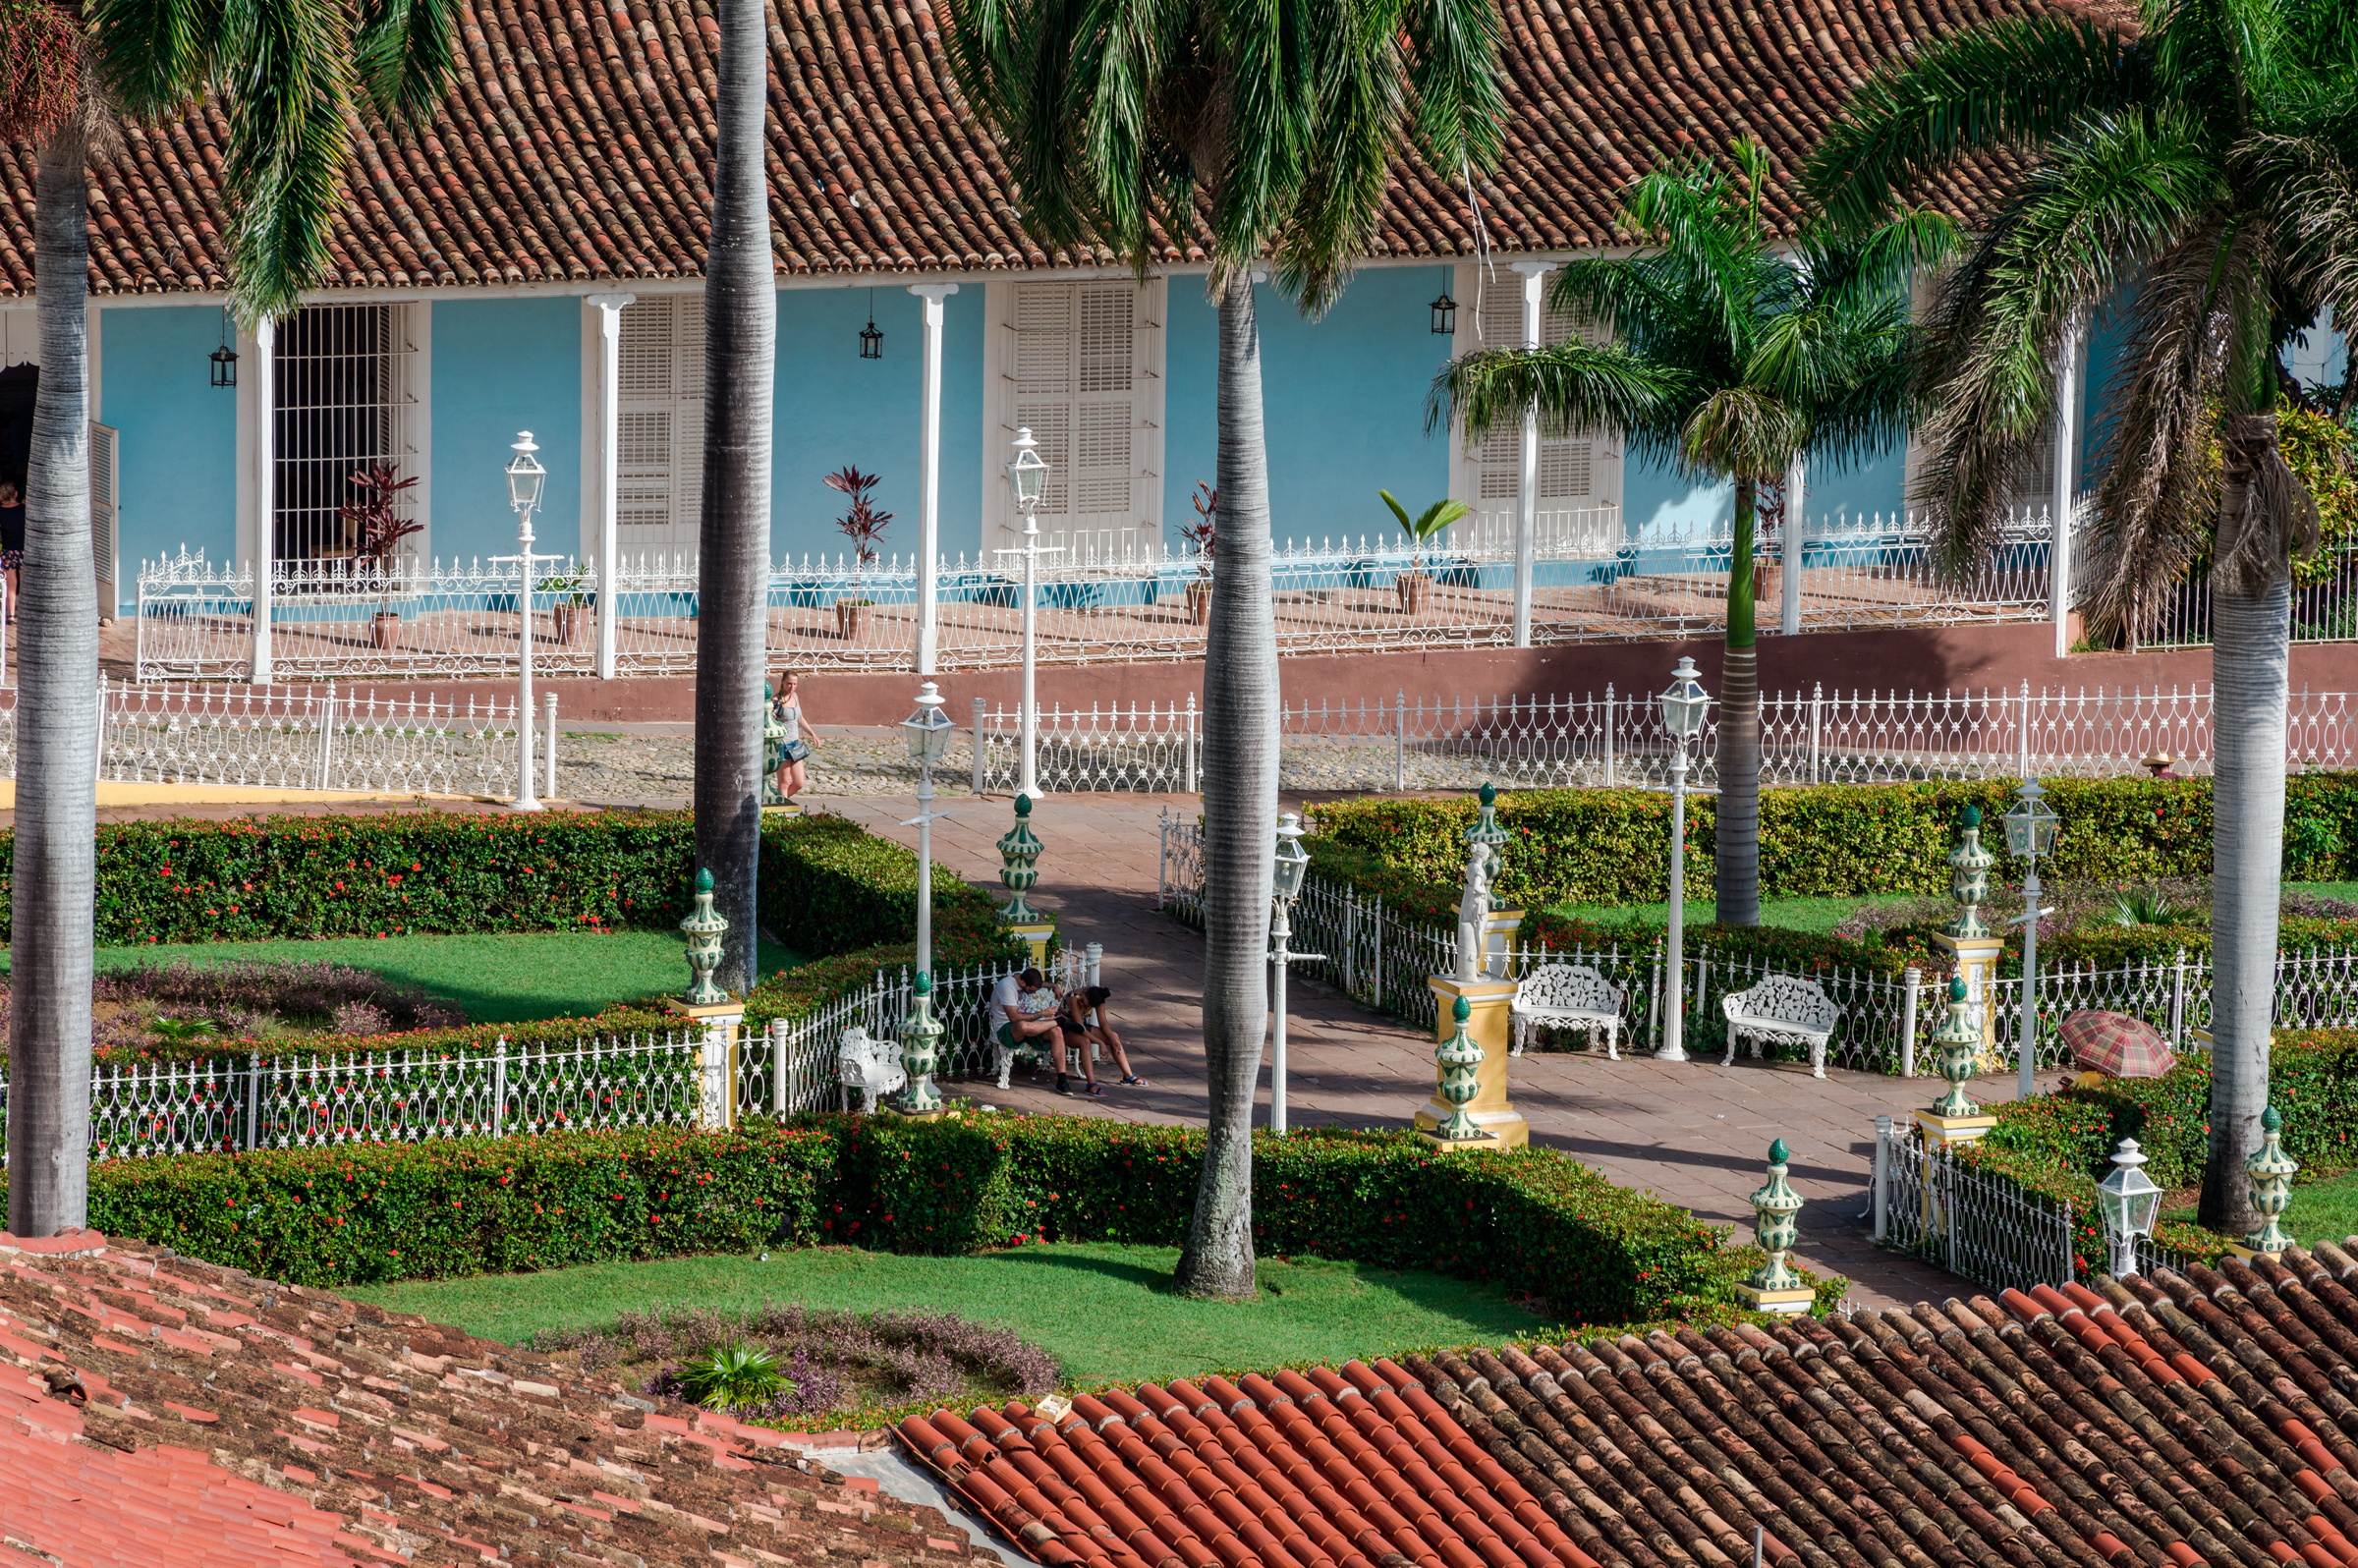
<point x="574" y="145"/>
<point x="2204" y="1422"/>
<point x="161" y="1412"/>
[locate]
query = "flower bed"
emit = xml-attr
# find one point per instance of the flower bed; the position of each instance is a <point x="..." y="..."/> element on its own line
<point x="1533" y="1220"/>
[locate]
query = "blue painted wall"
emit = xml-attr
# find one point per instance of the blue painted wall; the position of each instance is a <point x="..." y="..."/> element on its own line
<point x="835" y="407"/>
<point x="500" y="367"/>
<point x="179" y="435"/>
<point x="1343" y="400"/>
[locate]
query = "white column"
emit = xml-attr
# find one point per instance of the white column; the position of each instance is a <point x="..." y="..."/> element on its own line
<point x="2067" y="450"/>
<point x="266" y="523"/>
<point x="1527" y="482"/>
<point x="1789" y="549"/>
<point x="929" y="480"/>
<point x="609" y="456"/>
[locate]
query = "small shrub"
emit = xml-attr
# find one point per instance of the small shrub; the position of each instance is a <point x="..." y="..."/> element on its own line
<point x="2313" y="849"/>
<point x="733" y="1377"/>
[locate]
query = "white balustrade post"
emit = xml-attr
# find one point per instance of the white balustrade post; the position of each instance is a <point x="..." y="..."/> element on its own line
<point x="499" y="1087"/>
<point x="929" y="478"/>
<point x="1791" y="547"/>
<point x="1527" y="485"/>
<point x="975" y="728"/>
<point x="1882" y="1175"/>
<point x="607" y="499"/>
<point x="265" y="508"/>
<point x="1400" y="742"/>
<point x="1816" y="723"/>
<point x="2022" y="761"/>
<point x="779" y="1041"/>
<point x="2066" y="454"/>
<point x="551" y="791"/>
<point x="327" y="739"/>
<point x="1610" y="747"/>
<point x="1910" y="979"/>
<point x="1187" y="785"/>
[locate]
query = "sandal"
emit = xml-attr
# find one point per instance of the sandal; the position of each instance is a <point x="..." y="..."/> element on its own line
<point x="1135" y="1078"/>
<point x="1096" y="1088"/>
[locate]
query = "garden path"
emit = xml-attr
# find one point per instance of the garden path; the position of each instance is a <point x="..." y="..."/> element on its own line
<point x="1695" y="1133"/>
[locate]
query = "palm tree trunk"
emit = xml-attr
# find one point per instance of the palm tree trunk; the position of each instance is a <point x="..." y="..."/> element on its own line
<point x="1736" y="857"/>
<point x="2250" y="660"/>
<point x="1240" y="815"/>
<point x="741" y="341"/>
<point x="57" y="739"/>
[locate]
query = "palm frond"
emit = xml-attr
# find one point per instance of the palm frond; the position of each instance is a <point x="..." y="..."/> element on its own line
<point x="406" y="52"/>
<point x="293" y="72"/>
<point x="1460" y="109"/>
<point x="2016" y="83"/>
<point x="156" y="55"/>
<point x="1576" y="386"/>
<point x="2306" y="188"/>
<point x="1742" y="432"/>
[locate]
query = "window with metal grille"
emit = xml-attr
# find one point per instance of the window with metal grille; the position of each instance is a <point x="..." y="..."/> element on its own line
<point x="344" y="399"/>
<point x="1077" y="366"/>
<point x="659" y="423"/>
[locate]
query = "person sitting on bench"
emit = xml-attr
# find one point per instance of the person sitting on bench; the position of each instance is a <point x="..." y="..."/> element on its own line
<point x="1075" y="1015"/>
<point x="1024" y="1021"/>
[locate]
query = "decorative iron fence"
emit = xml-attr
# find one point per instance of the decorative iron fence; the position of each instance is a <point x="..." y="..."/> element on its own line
<point x="1592" y="580"/>
<point x="323" y="739"/>
<point x="2325" y="603"/>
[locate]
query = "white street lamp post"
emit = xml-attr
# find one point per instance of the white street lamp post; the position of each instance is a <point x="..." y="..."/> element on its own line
<point x="525" y="476"/>
<point x="2029" y="833"/>
<point x="1683" y="706"/>
<point x="2129" y="1201"/>
<point x="1028" y="478"/>
<point x="928" y="732"/>
<point x="1289" y="865"/>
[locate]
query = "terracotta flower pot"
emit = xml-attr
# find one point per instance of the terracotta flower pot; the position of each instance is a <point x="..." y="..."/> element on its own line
<point x="1199" y="602"/>
<point x="851" y="619"/>
<point x="1415" y="591"/>
<point x="384" y="630"/>
<point x="571" y="618"/>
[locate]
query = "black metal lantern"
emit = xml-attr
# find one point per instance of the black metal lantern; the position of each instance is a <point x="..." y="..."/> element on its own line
<point x="1444" y="311"/>
<point x="871" y="341"/>
<point x="224" y="358"/>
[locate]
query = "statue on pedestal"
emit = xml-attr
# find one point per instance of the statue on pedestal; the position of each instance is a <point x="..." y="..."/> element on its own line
<point x="1474" y="912"/>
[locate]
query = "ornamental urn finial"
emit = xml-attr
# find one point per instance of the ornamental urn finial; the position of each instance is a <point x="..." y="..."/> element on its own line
<point x="1019" y="864"/>
<point x="1969" y="875"/>
<point x="1775" y="1205"/>
<point x="1959" y="1042"/>
<point x="705" y="926"/>
<point x="2272" y="1171"/>
<point x="921" y="1048"/>
<point x="1460" y="1058"/>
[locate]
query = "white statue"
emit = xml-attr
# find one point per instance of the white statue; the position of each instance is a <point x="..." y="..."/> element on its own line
<point x="1473" y="915"/>
<point x="871" y="1066"/>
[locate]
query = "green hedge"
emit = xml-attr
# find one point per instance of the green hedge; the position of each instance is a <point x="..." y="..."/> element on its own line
<point x="1611" y="847"/>
<point x="362" y="1214"/>
<point x="1533" y="1218"/>
<point x="829" y="886"/>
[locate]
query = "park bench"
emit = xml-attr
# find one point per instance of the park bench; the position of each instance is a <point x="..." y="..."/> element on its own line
<point x="1782" y="1009"/>
<point x="1567" y="996"/>
<point x="870" y="1065"/>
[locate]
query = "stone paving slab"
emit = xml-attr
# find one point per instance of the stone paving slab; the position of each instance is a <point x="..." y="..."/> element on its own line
<point x="1695" y="1133"/>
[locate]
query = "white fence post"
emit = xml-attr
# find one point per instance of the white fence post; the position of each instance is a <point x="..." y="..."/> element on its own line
<point x="781" y="1091"/>
<point x="1791" y="547"/>
<point x="1817" y="724"/>
<point x="1910" y="979"/>
<point x="1608" y="735"/>
<point x="1187" y="783"/>
<point x="253" y="1099"/>
<point x="549" y="789"/>
<point x="975" y="726"/>
<point x="499" y="1087"/>
<point x="1883" y="1177"/>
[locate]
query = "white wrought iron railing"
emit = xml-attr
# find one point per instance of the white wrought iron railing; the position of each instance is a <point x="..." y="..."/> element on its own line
<point x="315" y="738"/>
<point x="2325" y="603"/>
<point x="1593" y="579"/>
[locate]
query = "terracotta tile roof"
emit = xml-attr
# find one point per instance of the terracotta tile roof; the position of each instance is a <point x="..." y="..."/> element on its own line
<point x="162" y="1412"/>
<point x="2206" y="1421"/>
<point x="572" y="146"/>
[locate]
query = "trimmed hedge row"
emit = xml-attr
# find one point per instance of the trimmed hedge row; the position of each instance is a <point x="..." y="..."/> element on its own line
<point x="829" y="886"/>
<point x="1611" y="847"/>
<point x="1533" y="1220"/>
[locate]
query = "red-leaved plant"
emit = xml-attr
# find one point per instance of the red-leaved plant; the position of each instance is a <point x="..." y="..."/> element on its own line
<point x="863" y="525"/>
<point x="1199" y="533"/>
<point x="382" y="528"/>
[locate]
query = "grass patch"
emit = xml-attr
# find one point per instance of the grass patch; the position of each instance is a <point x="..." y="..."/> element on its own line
<point x="1105" y="1312"/>
<point x="497" y="978"/>
<point x="1818" y="915"/>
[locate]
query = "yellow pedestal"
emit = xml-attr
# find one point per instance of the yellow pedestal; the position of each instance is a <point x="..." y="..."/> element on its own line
<point x="1792" y="1302"/>
<point x="2247" y="1255"/>
<point x="788" y="809"/>
<point x="721" y="1022"/>
<point x="1977" y="964"/>
<point x="1491" y="1025"/>
<point x="1498" y="932"/>
<point x="1939" y="1129"/>
<point x="1034" y="935"/>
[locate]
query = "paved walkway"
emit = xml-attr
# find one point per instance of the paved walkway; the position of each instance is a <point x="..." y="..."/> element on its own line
<point x="1695" y="1133"/>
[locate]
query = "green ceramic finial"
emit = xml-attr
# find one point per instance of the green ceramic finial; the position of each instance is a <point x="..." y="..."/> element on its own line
<point x="2270" y="1120"/>
<point x="1971" y="819"/>
<point x="1460" y="1010"/>
<point x="703" y="881"/>
<point x="1489" y="794"/>
<point x="922" y="984"/>
<point x="1022" y="806"/>
<point x="1776" y="1152"/>
<point x="1774" y="1207"/>
<point x="1956" y="989"/>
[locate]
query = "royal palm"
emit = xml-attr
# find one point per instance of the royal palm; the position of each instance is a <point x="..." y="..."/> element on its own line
<point x="1282" y="120"/>
<point x="289" y="75"/>
<point x="1732" y="353"/>
<point x="2189" y="170"/>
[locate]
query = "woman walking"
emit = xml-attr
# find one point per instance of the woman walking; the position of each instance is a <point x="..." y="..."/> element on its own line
<point x="783" y="695"/>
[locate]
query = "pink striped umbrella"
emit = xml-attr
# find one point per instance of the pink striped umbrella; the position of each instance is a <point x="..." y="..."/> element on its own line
<point x="2117" y="1044"/>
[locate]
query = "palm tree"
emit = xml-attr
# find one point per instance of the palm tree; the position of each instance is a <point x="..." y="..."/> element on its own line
<point x="741" y="341"/>
<point x="1273" y="127"/>
<point x="1731" y="359"/>
<point x="289" y="74"/>
<point x="2192" y="172"/>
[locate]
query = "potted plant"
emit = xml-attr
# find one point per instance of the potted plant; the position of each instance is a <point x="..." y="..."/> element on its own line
<point x="571" y="591"/>
<point x="863" y="525"/>
<point x="1414" y="586"/>
<point x="380" y="530"/>
<point x="1199" y="536"/>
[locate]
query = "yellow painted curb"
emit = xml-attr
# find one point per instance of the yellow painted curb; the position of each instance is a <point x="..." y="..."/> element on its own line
<point x="111" y="793"/>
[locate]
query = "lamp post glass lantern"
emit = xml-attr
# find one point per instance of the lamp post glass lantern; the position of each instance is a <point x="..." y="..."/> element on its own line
<point x="2029" y="833"/>
<point x="224" y="358"/>
<point x="1444" y="311"/>
<point x="926" y="732"/>
<point x="525" y="476"/>
<point x="1289" y="864"/>
<point x="1028" y="482"/>
<point x="1683" y="706"/>
<point x="2129" y="1203"/>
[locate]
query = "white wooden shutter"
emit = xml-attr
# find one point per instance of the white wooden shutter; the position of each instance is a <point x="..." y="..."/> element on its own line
<point x="105" y="510"/>
<point x="1078" y="359"/>
<point x="659" y="422"/>
<point x="1568" y="469"/>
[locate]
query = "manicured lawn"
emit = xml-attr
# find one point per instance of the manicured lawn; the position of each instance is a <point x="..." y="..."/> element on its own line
<point x="1819" y="914"/>
<point x="497" y="978"/>
<point x="2326" y="1211"/>
<point x="1105" y="1312"/>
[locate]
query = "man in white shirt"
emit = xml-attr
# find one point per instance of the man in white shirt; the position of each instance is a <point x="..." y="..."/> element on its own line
<point x="1016" y="999"/>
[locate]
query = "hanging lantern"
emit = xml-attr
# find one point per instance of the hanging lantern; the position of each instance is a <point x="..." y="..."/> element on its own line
<point x="225" y="358"/>
<point x="1444" y="311"/>
<point x="871" y="341"/>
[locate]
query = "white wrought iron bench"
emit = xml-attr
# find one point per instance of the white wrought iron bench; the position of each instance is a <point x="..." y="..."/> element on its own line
<point x="1567" y="996"/>
<point x="870" y="1064"/>
<point x="1782" y="1009"/>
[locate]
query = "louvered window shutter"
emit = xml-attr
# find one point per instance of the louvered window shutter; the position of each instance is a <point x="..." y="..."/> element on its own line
<point x="105" y="510"/>
<point x="1567" y="469"/>
<point x="1074" y="354"/>
<point x="659" y="422"/>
